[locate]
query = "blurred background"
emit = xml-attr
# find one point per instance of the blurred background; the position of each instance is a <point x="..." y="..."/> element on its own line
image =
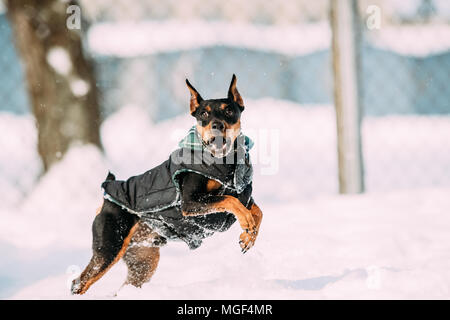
<point x="91" y="86"/>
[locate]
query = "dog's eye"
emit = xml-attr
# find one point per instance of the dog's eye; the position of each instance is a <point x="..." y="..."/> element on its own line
<point x="229" y="112"/>
<point x="204" y="115"/>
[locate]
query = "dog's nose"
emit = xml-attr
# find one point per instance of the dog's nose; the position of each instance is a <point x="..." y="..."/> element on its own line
<point x="217" y="125"/>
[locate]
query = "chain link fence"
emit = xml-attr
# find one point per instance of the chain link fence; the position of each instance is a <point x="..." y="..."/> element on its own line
<point x="281" y="54"/>
<point x="405" y="63"/>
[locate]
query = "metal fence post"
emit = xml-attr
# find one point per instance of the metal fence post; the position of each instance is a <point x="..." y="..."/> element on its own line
<point x="345" y="43"/>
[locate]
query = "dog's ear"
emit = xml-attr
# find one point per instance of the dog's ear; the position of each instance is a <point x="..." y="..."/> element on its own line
<point x="195" y="97"/>
<point x="233" y="93"/>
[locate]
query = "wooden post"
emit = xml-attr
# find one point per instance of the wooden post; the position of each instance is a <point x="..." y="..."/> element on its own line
<point x="345" y="43"/>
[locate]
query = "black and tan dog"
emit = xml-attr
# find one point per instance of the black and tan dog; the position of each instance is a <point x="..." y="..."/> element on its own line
<point x="204" y="187"/>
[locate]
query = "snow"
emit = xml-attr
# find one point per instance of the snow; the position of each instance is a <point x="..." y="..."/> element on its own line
<point x="151" y="37"/>
<point x="79" y="87"/>
<point x="442" y="8"/>
<point x="392" y="242"/>
<point x="408" y="10"/>
<point x="15" y="182"/>
<point x="372" y="246"/>
<point x="406" y="152"/>
<point x="46" y="207"/>
<point x="403" y="39"/>
<point x="59" y="59"/>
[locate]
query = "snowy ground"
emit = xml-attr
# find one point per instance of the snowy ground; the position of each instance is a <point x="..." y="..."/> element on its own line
<point x="313" y="244"/>
<point x="378" y="246"/>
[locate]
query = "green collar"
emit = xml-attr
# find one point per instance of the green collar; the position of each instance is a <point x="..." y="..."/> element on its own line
<point x="193" y="141"/>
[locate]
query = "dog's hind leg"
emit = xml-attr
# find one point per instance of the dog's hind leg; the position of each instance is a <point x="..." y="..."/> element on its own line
<point x="142" y="255"/>
<point x="112" y="231"/>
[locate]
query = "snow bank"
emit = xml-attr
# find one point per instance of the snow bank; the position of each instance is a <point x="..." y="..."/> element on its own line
<point x="434" y="39"/>
<point x="59" y="210"/>
<point x="19" y="160"/>
<point x="406" y="152"/>
<point x="151" y="37"/>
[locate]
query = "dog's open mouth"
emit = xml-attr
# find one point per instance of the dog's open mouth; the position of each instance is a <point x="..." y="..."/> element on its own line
<point x="217" y="141"/>
<point x="218" y="145"/>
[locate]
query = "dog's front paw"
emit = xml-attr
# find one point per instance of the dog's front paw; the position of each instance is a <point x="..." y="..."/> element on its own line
<point x="247" y="239"/>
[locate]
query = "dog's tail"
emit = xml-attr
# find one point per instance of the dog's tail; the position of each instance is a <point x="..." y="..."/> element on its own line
<point x="110" y="176"/>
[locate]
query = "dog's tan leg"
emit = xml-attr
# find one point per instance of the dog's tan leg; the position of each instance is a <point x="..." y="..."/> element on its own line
<point x="112" y="233"/>
<point x="142" y="255"/>
<point x="257" y="215"/>
<point x="247" y="240"/>
<point x="97" y="267"/>
<point x="232" y="205"/>
<point x="142" y="263"/>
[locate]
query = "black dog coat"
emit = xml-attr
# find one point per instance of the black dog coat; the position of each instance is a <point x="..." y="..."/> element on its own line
<point x="155" y="196"/>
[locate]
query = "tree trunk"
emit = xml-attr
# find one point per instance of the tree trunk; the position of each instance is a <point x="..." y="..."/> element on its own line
<point x="60" y="79"/>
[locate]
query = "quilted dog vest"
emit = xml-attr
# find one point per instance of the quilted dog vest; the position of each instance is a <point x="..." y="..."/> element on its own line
<point x="155" y="196"/>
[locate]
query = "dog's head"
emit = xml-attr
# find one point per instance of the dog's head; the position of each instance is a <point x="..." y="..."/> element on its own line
<point x="218" y="120"/>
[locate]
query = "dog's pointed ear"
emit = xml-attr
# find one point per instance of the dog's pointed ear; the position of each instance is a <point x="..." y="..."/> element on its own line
<point x="233" y="93"/>
<point x="196" y="98"/>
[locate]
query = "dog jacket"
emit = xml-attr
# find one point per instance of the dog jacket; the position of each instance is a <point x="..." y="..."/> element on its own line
<point x="155" y="196"/>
